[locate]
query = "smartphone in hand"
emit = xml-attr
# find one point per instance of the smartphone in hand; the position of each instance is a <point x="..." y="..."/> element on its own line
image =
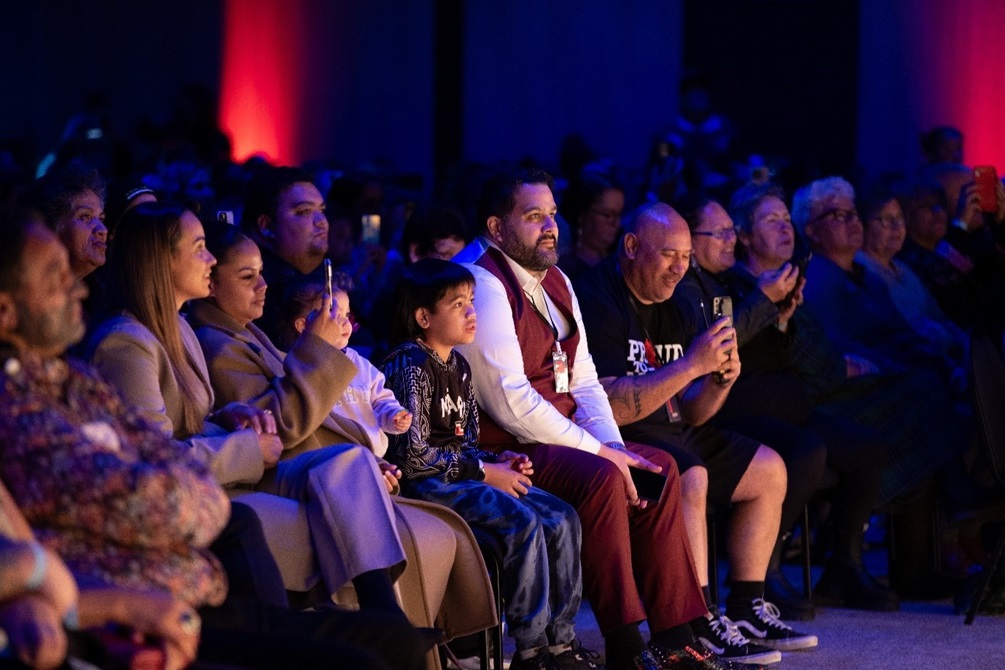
<point x="649" y="485"/>
<point x="328" y="277"/>
<point x="986" y="178"/>
<point x="722" y="306"/>
<point x="371" y="229"/>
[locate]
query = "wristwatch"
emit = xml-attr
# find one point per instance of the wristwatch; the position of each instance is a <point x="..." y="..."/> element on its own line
<point x="480" y="475"/>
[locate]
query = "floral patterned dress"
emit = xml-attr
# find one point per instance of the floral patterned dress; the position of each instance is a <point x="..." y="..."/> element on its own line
<point x="117" y="499"/>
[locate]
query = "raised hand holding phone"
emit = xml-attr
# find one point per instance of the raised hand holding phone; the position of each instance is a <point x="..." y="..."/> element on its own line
<point x="722" y="307"/>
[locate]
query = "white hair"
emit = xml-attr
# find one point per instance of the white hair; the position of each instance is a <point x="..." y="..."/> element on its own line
<point x="815" y="192"/>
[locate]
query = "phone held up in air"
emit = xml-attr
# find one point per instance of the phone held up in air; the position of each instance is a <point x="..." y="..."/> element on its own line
<point x="371" y="229"/>
<point x="328" y="278"/>
<point x="225" y="215"/>
<point x="986" y="178"/>
<point x="722" y="305"/>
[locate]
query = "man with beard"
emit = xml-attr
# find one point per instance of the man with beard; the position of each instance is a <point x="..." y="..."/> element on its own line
<point x="128" y="508"/>
<point x="538" y="394"/>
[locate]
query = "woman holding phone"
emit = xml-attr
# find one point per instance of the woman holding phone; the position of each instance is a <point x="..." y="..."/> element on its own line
<point x="158" y="263"/>
<point x="448" y="587"/>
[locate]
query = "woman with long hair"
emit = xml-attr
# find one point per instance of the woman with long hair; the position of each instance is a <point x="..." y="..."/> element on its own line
<point x="158" y="263"/>
<point x="447" y="586"/>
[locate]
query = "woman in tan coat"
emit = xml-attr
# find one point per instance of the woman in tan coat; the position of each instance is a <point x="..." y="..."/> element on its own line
<point x="150" y="353"/>
<point x="450" y="588"/>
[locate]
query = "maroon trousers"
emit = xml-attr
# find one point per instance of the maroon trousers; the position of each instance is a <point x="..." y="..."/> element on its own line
<point x="637" y="564"/>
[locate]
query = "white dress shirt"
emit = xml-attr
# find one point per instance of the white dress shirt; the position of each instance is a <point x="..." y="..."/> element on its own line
<point x="502" y="387"/>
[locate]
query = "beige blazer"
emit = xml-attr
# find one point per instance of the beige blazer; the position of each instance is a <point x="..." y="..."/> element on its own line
<point x="133" y="360"/>
<point x="445" y="583"/>
<point x="300" y="388"/>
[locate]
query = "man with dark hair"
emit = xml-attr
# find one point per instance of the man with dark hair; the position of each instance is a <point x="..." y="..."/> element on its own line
<point x="284" y="213"/>
<point x="539" y="395"/>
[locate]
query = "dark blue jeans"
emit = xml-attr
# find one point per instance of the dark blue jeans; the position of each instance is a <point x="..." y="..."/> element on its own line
<point x="542" y="579"/>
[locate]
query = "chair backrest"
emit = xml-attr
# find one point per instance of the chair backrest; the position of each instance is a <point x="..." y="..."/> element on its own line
<point x="987" y="383"/>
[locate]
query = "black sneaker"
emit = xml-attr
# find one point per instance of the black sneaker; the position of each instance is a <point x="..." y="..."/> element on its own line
<point x="690" y="658"/>
<point x="543" y="660"/>
<point x="760" y="623"/>
<point x="578" y="658"/>
<point x="724" y="639"/>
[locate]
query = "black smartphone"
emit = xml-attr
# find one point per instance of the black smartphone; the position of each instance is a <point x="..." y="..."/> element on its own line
<point x="722" y="305"/>
<point x="650" y="485"/>
<point x="328" y="277"/>
<point x="801" y="269"/>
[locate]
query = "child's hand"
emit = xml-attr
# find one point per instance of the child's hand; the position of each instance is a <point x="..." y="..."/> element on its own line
<point x="506" y="479"/>
<point x="518" y="462"/>
<point x="329" y="325"/>
<point x="402" y="421"/>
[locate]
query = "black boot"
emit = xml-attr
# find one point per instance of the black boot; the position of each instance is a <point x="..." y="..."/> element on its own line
<point x="845" y="583"/>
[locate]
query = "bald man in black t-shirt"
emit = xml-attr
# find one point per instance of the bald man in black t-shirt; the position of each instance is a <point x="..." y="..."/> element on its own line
<point x="664" y="380"/>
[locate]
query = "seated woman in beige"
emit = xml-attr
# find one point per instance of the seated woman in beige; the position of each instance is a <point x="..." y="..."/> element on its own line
<point x="159" y="262"/>
<point x="450" y="588"/>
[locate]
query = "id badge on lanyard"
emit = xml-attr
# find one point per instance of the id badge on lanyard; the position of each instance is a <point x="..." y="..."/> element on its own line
<point x="560" y="364"/>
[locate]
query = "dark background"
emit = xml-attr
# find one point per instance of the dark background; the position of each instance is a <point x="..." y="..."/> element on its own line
<point x="417" y="86"/>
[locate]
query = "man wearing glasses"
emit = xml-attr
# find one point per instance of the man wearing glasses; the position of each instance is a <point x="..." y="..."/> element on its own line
<point x="852" y="303"/>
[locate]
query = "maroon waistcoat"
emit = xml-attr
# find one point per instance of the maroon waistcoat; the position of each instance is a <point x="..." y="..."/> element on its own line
<point x="537" y="340"/>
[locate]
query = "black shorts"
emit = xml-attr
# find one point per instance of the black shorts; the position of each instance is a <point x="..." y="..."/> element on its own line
<point x="726" y="455"/>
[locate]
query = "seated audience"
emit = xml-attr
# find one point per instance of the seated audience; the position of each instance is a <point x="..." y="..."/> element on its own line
<point x="852" y="303"/>
<point x="321" y="392"/>
<point x="898" y="405"/>
<point x="71" y="201"/>
<point x="592" y="206"/>
<point x="961" y="268"/>
<point x="665" y="376"/>
<point x="885" y="232"/>
<point x="538" y="534"/>
<point x="942" y="144"/>
<point x="439" y="232"/>
<point x="769" y="400"/>
<point x="159" y="262"/>
<point x="538" y="395"/>
<point x="124" y="504"/>
<point x="366" y="402"/>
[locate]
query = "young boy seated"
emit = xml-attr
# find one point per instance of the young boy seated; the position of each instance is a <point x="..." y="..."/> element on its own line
<point x="441" y="462"/>
<point x="366" y="401"/>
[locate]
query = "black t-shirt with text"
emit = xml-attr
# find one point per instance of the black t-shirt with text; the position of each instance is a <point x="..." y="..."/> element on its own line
<point x="627" y="337"/>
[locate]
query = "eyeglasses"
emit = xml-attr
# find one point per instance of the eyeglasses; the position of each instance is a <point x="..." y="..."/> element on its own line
<point x="839" y="215"/>
<point x="724" y="234"/>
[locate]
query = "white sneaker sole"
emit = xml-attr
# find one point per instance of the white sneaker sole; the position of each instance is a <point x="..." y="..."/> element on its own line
<point x="769" y="657"/>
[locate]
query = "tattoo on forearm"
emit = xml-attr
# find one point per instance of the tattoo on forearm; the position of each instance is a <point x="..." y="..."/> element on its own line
<point x="626" y="404"/>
